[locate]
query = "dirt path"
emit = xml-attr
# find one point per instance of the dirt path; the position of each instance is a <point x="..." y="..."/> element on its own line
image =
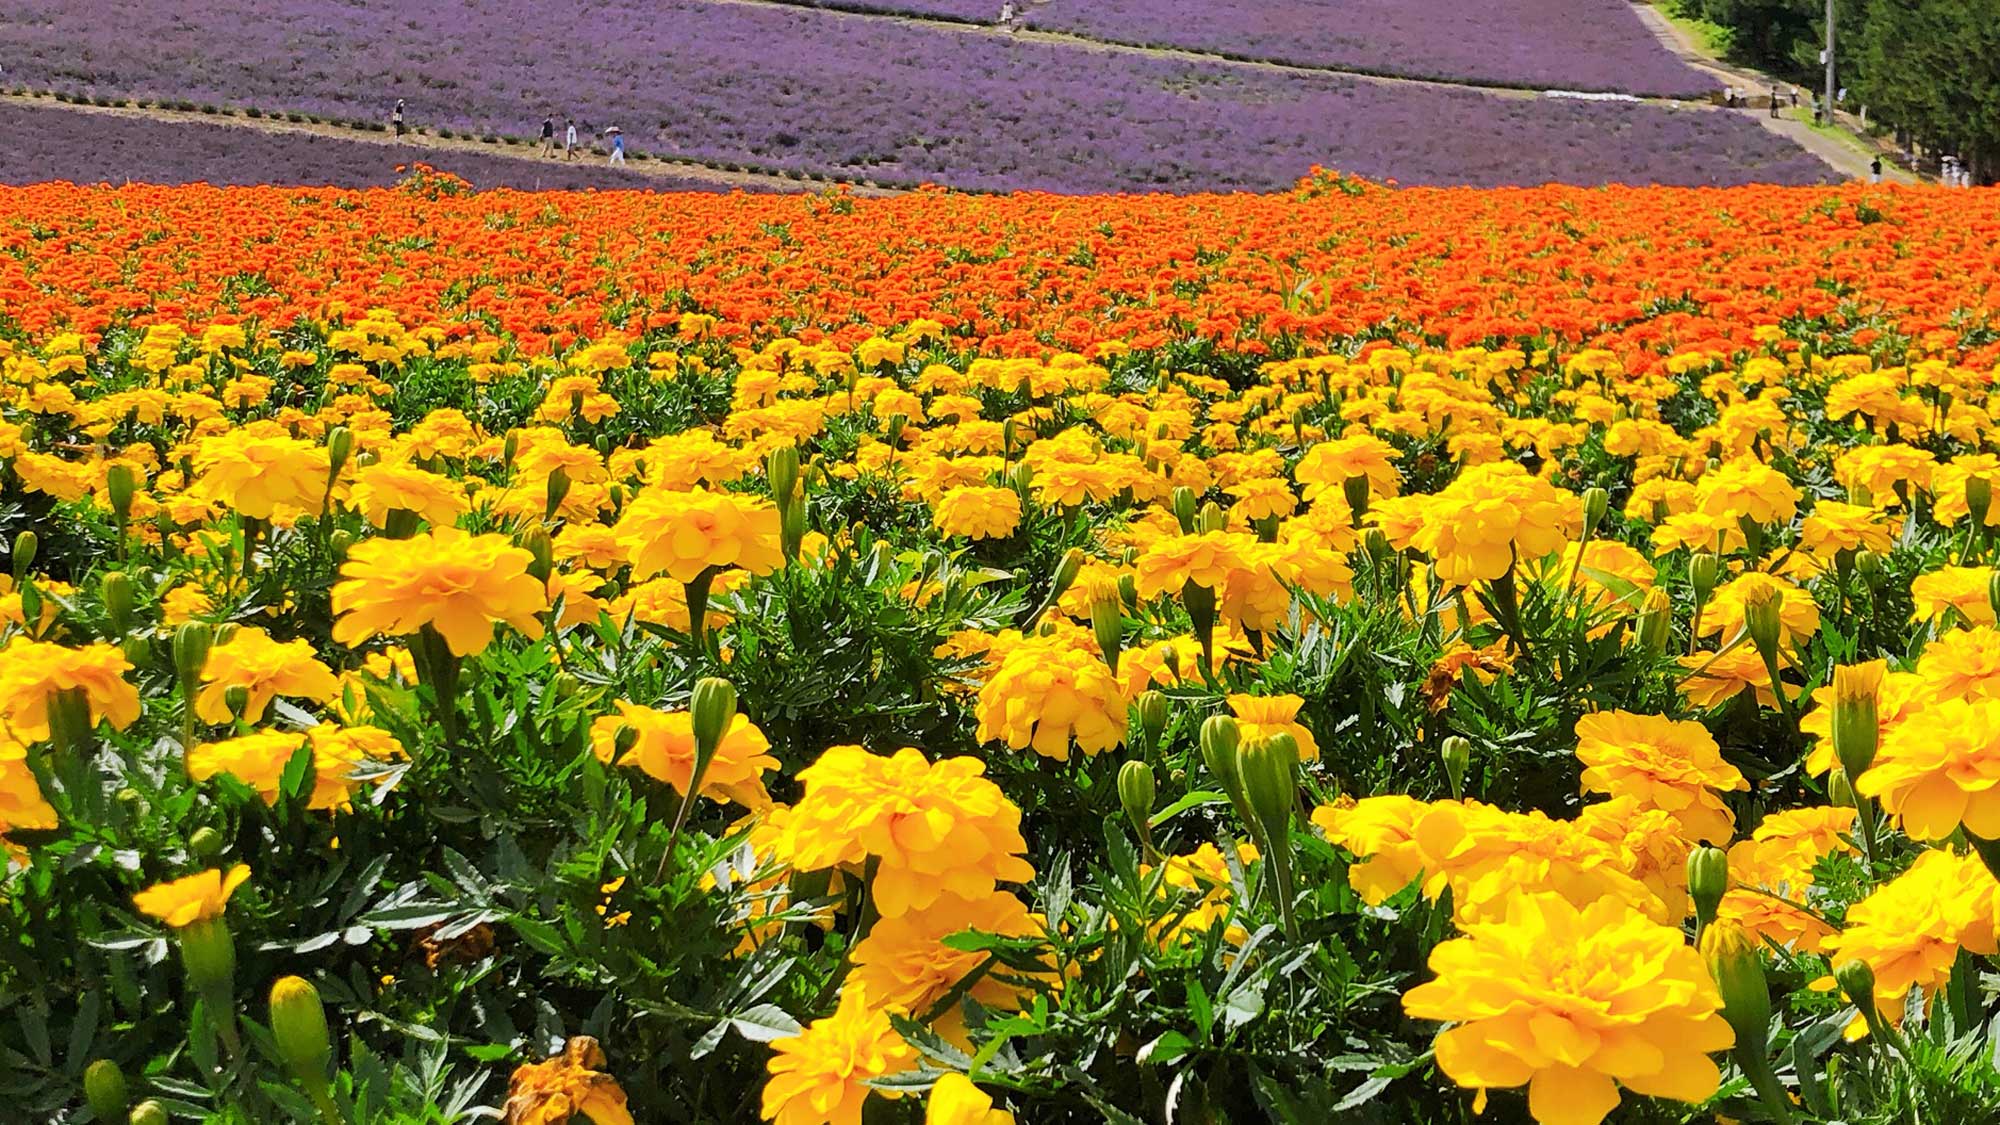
<point x="1846" y="159"/>
<point x="649" y="167"/>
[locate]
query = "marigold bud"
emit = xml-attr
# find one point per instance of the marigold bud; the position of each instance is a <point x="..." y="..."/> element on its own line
<point x="104" y="1089"/>
<point x="713" y="706"/>
<point x="26" y="545"/>
<point x="1136" y="792"/>
<point x="191" y="644"/>
<point x="1703" y="570"/>
<point x="1596" y="502"/>
<point x="1270" y="787"/>
<point x="339" y="542"/>
<point x="1211" y="518"/>
<point x="1839" y="790"/>
<point x="116" y="590"/>
<point x="1978" y="498"/>
<point x="1656" y="620"/>
<point x="558" y="490"/>
<point x="1868" y="565"/>
<point x="208" y="952"/>
<point x="31" y="605"/>
<point x="236" y="697"/>
<point x="1376" y="543"/>
<point x="205" y="844"/>
<point x="1107" y="618"/>
<point x="1856" y="690"/>
<point x="339" y="447"/>
<point x="120" y="484"/>
<point x="1153" y="713"/>
<point x="1181" y="500"/>
<point x="1708" y="881"/>
<point x="298" y="1024"/>
<point x="1457" y="755"/>
<point x="781" y="469"/>
<point x="1219" y="736"/>
<point x="1761" y="620"/>
<point x="541" y="553"/>
<point x="148" y="1112"/>
<point x="1737" y="963"/>
<point x="1355" y="489"/>
<point x="1856" y="979"/>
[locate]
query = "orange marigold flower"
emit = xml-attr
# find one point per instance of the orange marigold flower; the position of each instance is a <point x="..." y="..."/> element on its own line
<point x="571" y="1083"/>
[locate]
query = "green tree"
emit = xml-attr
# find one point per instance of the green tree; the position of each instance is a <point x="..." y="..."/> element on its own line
<point x="1929" y="66"/>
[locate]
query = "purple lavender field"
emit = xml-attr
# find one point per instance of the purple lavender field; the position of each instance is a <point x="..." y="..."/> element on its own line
<point x="56" y="143"/>
<point x="1596" y="45"/>
<point x="800" y="90"/>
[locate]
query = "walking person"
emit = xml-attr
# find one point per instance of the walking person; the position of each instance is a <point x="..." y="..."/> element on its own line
<point x="569" y="138"/>
<point x="549" y="135"/>
<point x="1875" y="170"/>
<point x="396" y="117"/>
<point x="617" y="144"/>
<point x="1774" y="101"/>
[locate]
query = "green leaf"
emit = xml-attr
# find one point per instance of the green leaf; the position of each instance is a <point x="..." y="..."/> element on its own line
<point x="1169" y="1046"/>
<point x="764" y="1022"/>
<point x="1194" y="800"/>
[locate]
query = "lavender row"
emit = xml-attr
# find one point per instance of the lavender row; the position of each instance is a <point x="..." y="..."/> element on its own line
<point x="1594" y="45"/>
<point x="798" y="90"/>
<point x="54" y="143"/>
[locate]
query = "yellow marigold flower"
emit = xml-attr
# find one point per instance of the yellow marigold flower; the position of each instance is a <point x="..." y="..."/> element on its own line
<point x="820" y="1076"/>
<point x="681" y="534"/>
<point x="1206" y="559"/>
<point x="1798" y="614"/>
<point x="979" y="512"/>
<point x="1328" y="466"/>
<point x="21" y="802"/>
<point x="255" y="472"/>
<point x="1048" y="694"/>
<point x="938" y="829"/>
<point x="1262" y="498"/>
<point x="1717" y="678"/>
<point x="193" y="898"/>
<point x="571" y="1083"/>
<point x="457" y="583"/>
<point x="664" y="748"/>
<point x="267" y="668"/>
<point x="1261" y="716"/>
<point x="1203" y="875"/>
<point x="1834" y="527"/>
<point x="1910" y="929"/>
<point x="32" y="672"/>
<point x="1938" y="768"/>
<point x="381" y="489"/>
<point x="1662" y="763"/>
<point x="1875" y="471"/>
<point x="1574" y="1003"/>
<point x="1962" y="588"/>
<point x="1155" y="664"/>
<point x="258" y="760"/>
<point x="1745" y="487"/>
<point x="1491" y="515"/>
<point x="1950" y="480"/>
<point x="955" y="1100"/>
<point x="1653" y="848"/>
<point x="1382" y="834"/>
<point x="1962" y="664"/>
<point x="1698" y="531"/>
<point x="905" y="965"/>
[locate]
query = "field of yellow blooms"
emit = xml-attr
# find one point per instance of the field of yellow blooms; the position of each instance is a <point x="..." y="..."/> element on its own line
<point x="1349" y="655"/>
